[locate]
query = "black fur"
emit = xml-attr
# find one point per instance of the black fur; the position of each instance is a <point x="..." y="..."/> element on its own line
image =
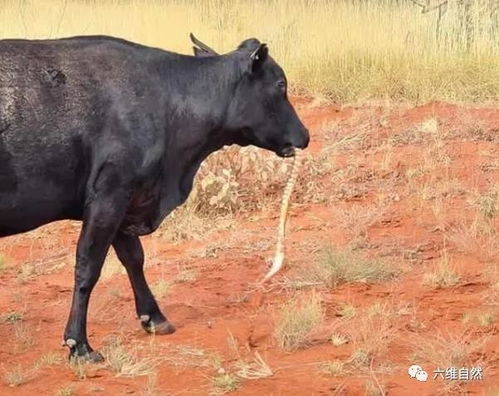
<point x="112" y="133"/>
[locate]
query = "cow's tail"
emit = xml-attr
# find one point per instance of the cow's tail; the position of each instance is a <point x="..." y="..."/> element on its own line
<point x="278" y="260"/>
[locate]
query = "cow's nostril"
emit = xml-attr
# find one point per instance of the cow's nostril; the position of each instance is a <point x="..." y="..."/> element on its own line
<point x="307" y="139"/>
<point x="304" y="140"/>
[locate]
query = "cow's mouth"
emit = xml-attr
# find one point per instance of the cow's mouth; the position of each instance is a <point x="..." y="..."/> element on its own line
<point x="286" y="152"/>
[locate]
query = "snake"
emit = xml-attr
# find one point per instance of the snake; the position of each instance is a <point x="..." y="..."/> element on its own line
<point x="278" y="259"/>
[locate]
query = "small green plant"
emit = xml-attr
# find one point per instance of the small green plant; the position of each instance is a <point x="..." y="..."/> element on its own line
<point x="296" y="320"/>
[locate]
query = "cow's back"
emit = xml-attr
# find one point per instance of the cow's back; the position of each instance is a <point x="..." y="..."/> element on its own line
<point x="56" y="96"/>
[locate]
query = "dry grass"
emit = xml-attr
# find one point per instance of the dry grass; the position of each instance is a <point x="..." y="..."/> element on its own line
<point x="66" y="391"/>
<point x="444" y="275"/>
<point x="460" y="349"/>
<point x="23" y="336"/>
<point x="323" y="47"/>
<point x="338" y="339"/>
<point x="161" y="288"/>
<point x="48" y="359"/>
<point x="112" y="266"/>
<point x="333" y="368"/>
<point x="484" y="319"/>
<point x="297" y="320"/>
<point x="3" y="264"/>
<point x="257" y="368"/>
<point x="12" y="317"/>
<point x="475" y="239"/>
<point x="226" y="382"/>
<point x="127" y="363"/>
<point x="16" y="376"/>
<point x="79" y="367"/>
<point x="371" y="333"/>
<point x="333" y="267"/>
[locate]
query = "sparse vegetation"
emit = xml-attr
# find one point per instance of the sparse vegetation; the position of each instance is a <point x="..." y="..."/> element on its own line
<point x="48" y="359"/>
<point x="3" y="264"/>
<point x="225" y="382"/>
<point x="458" y="349"/>
<point x="127" y="363"/>
<point x="333" y="368"/>
<point x="333" y="267"/>
<point x="296" y="321"/>
<point x="257" y="368"/>
<point x="66" y="391"/>
<point x="23" y="336"/>
<point x="16" y="376"/>
<point x="13" y="317"/>
<point x="346" y="311"/>
<point x="338" y="339"/>
<point x="79" y="367"/>
<point x="386" y="184"/>
<point x="444" y="275"/>
<point x="161" y="288"/>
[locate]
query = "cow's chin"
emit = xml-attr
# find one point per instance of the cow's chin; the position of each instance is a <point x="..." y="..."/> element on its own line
<point x="286" y="152"/>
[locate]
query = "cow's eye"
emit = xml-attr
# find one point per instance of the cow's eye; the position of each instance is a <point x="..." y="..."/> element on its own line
<point x="281" y="84"/>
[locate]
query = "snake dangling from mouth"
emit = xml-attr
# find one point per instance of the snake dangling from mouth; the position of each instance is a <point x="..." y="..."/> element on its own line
<point x="278" y="260"/>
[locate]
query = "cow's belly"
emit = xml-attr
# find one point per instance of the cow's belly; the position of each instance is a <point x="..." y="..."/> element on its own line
<point x="34" y="204"/>
<point x="37" y="187"/>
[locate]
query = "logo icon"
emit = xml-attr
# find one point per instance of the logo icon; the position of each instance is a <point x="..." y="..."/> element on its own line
<point x="418" y="373"/>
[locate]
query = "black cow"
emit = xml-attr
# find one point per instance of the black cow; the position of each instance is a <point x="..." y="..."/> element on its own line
<point x="111" y="133"/>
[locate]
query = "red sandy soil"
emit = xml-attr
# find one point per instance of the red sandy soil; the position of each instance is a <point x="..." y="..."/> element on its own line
<point x="219" y="312"/>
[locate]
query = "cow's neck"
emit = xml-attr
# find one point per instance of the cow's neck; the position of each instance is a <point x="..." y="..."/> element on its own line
<point x="180" y="168"/>
<point x="196" y="129"/>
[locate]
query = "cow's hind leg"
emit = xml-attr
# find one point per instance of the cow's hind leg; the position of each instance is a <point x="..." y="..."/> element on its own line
<point x="129" y="251"/>
<point x="101" y="220"/>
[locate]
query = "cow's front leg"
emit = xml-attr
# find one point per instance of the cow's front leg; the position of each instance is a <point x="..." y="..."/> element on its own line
<point x="129" y="251"/>
<point x="101" y="220"/>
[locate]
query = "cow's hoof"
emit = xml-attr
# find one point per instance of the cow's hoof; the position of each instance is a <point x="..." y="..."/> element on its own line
<point x="83" y="352"/>
<point x="149" y="326"/>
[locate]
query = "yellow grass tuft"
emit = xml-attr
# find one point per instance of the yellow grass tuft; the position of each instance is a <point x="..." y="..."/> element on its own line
<point x="444" y="275"/>
<point x="297" y="320"/>
<point x="16" y="377"/>
<point x="333" y="267"/>
<point x="127" y="363"/>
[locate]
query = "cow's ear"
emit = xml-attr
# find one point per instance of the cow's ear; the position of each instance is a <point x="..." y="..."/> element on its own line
<point x="258" y="57"/>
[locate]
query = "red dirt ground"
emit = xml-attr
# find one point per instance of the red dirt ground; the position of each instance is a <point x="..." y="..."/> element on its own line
<point x="408" y="191"/>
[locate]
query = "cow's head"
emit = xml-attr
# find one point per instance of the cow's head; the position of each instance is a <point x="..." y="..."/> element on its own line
<point x="259" y="111"/>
